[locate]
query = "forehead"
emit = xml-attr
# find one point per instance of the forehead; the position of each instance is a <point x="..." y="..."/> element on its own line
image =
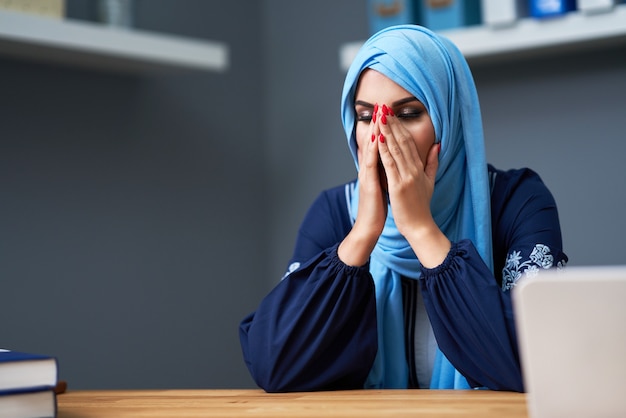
<point x="374" y="87"/>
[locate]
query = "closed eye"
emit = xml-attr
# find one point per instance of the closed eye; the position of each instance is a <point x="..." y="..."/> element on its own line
<point x="409" y="113"/>
<point x="364" y="111"/>
<point x="364" y="117"/>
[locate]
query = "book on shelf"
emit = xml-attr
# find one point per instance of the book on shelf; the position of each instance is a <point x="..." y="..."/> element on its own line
<point x="384" y="13"/>
<point x="503" y="12"/>
<point x="38" y="403"/>
<point x="45" y="8"/>
<point x="449" y="14"/>
<point x="551" y="8"/>
<point x="25" y="371"/>
<point x="595" y="6"/>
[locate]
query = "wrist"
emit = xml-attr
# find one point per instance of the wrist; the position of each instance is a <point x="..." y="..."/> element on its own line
<point x="430" y="245"/>
<point x="356" y="248"/>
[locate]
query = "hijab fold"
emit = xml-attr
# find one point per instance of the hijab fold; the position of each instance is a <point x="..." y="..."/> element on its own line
<point x="432" y="69"/>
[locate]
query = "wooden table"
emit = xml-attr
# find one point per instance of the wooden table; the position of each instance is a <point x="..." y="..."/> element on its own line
<point x="256" y="403"/>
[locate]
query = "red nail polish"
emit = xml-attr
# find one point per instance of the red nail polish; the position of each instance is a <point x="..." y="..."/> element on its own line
<point x="376" y="108"/>
<point x="383" y="119"/>
<point x="374" y="117"/>
<point x="373" y="137"/>
<point x="391" y="112"/>
<point x="385" y="110"/>
<point x="382" y="138"/>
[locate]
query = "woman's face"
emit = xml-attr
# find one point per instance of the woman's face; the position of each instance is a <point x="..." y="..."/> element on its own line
<point x="375" y="88"/>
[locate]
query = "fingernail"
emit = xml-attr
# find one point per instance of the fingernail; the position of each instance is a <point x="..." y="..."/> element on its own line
<point x="382" y="138"/>
<point x="391" y="112"/>
<point x="373" y="137"/>
<point x="374" y="117"/>
<point x="385" y="110"/>
<point x="383" y="119"/>
<point x="376" y="108"/>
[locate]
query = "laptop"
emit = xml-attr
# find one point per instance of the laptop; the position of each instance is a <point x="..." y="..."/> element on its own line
<point x="571" y="327"/>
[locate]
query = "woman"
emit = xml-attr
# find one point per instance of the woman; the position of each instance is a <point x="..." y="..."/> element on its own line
<point x="402" y="278"/>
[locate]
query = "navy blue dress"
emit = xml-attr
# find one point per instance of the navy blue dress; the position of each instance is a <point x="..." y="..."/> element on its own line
<point x="316" y="330"/>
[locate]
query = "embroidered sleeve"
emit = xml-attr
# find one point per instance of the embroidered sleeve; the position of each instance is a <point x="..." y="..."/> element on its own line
<point x="539" y="258"/>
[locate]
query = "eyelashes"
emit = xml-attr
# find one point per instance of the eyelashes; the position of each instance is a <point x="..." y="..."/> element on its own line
<point x="410" y="114"/>
<point x="403" y="114"/>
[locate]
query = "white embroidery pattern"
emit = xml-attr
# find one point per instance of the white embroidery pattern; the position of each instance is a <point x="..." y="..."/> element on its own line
<point x="292" y="267"/>
<point x="540" y="258"/>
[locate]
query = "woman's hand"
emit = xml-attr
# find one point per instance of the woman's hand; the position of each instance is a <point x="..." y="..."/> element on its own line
<point x="356" y="248"/>
<point x="410" y="184"/>
<point x="410" y="176"/>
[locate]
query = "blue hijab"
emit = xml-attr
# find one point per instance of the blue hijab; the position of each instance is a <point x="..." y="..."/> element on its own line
<point x="432" y="69"/>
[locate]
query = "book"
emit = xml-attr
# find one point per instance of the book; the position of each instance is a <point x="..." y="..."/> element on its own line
<point x="503" y="12"/>
<point x="551" y="8"/>
<point x="25" y="371"/>
<point x="28" y="404"/>
<point x="46" y="8"/>
<point x="449" y="14"/>
<point x="385" y="13"/>
<point x="593" y="6"/>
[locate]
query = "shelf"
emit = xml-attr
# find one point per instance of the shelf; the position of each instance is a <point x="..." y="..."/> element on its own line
<point x="527" y="36"/>
<point x="105" y="48"/>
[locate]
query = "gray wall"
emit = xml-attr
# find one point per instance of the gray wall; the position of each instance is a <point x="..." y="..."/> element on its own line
<point x="563" y="116"/>
<point x="307" y="149"/>
<point x="132" y="222"/>
<point x="143" y="216"/>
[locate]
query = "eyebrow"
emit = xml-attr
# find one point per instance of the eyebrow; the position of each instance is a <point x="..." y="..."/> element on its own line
<point x="396" y="103"/>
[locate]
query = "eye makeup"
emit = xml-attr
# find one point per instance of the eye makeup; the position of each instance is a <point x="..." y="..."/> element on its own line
<point x="406" y="108"/>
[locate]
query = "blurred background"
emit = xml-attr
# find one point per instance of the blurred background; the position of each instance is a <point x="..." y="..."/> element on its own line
<point x="144" y="214"/>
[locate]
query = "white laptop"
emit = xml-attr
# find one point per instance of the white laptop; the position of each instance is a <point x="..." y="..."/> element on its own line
<point x="571" y="327"/>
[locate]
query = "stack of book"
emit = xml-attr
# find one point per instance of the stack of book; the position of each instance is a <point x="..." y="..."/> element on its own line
<point x="27" y="385"/>
<point x="433" y="14"/>
<point x="507" y="12"/>
<point x="453" y="14"/>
